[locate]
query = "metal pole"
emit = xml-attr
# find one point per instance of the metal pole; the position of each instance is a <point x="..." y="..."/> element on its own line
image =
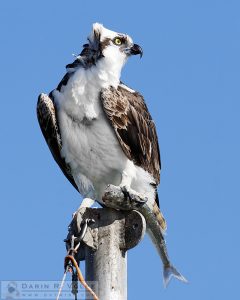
<point x="108" y="265"/>
<point x="104" y="248"/>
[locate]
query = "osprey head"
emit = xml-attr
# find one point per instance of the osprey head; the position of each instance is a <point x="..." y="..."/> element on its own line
<point x="114" y="47"/>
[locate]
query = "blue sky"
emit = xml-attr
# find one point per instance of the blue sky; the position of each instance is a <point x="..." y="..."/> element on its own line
<point x="189" y="76"/>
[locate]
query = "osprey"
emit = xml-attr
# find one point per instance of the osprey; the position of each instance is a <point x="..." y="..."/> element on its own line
<point x="99" y="130"/>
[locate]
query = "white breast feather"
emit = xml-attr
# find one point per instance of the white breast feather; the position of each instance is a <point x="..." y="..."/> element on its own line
<point x="89" y="144"/>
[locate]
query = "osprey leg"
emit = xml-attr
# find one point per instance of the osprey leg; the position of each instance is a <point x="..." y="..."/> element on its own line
<point x="119" y="198"/>
<point x="87" y="202"/>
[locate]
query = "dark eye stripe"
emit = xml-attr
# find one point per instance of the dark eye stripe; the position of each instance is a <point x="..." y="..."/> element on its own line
<point x="121" y="38"/>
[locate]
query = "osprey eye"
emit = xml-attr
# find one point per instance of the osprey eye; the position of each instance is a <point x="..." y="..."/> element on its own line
<point x="117" y="41"/>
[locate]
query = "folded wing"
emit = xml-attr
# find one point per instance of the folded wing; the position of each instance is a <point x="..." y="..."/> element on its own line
<point x="47" y="119"/>
<point x="134" y="127"/>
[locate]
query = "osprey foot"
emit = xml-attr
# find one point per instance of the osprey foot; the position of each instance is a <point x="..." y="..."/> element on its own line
<point x="123" y="198"/>
<point x="132" y="199"/>
<point x="86" y="202"/>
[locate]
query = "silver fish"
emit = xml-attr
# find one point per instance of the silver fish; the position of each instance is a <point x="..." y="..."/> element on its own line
<point x="156" y="233"/>
<point x="156" y="225"/>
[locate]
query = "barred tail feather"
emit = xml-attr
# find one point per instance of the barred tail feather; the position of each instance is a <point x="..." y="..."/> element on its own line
<point x="169" y="272"/>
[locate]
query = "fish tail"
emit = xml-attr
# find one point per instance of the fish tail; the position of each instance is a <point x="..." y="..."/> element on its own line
<point x="169" y="272"/>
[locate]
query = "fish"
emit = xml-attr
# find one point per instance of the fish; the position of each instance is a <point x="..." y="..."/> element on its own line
<point x="156" y="225"/>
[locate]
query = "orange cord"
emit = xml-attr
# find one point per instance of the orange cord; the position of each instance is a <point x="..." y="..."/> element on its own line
<point x="80" y="276"/>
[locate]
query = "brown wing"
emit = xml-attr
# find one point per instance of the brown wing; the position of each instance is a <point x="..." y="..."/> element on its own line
<point x="48" y="123"/>
<point x="134" y="128"/>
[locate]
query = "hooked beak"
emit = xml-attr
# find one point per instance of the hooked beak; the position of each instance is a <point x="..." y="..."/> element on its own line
<point x="136" y="49"/>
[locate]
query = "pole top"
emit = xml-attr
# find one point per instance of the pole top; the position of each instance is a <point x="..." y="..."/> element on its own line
<point x="130" y="224"/>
